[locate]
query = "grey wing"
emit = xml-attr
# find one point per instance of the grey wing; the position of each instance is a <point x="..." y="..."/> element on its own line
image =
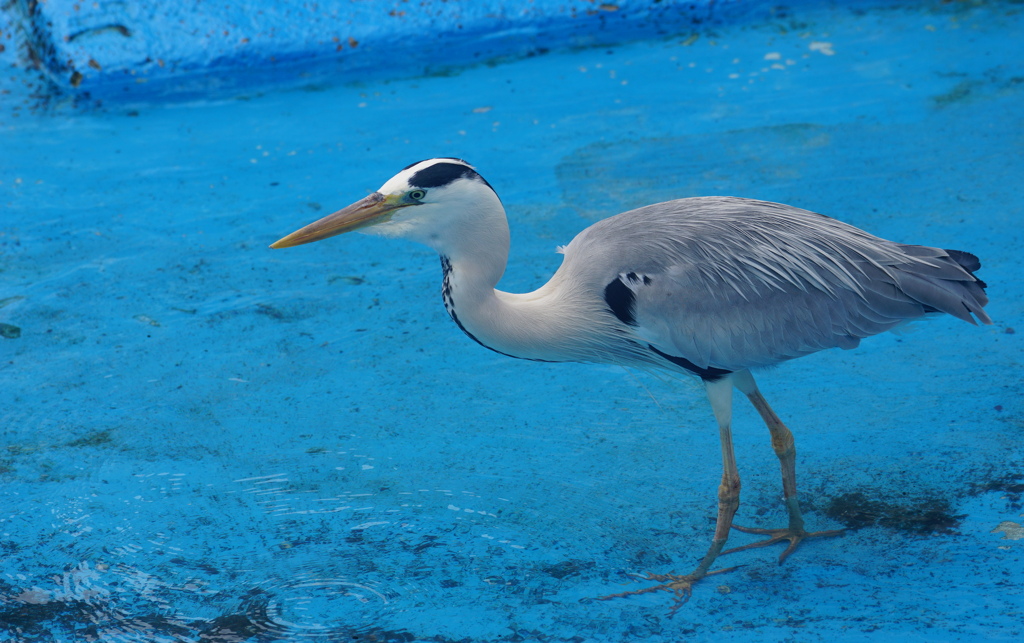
<point x="683" y="313"/>
<point x="733" y="283"/>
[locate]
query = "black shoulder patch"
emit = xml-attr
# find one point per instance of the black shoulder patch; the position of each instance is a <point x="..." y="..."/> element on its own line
<point x="440" y="174"/>
<point x="621" y="301"/>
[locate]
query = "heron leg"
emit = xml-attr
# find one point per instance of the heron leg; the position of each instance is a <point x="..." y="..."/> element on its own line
<point x="785" y="448"/>
<point x="720" y="395"/>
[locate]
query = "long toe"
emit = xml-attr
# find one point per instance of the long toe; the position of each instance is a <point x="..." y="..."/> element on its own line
<point x="792" y="535"/>
<point x="680" y="586"/>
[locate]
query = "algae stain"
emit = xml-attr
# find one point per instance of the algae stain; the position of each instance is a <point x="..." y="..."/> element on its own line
<point x="94" y="439"/>
<point x="10" y="331"/>
<point x="959" y="93"/>
<point x="1011" y="485"/>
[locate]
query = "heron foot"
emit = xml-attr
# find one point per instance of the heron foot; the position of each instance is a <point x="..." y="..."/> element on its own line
<point x="795" y="535"/>
<point x="680" y="586"/>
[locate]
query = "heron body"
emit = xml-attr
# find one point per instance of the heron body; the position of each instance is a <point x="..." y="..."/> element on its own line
<point x="708" y="286"/>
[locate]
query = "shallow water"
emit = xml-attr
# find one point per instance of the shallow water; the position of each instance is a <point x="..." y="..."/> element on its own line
<point x="205" y="440"/>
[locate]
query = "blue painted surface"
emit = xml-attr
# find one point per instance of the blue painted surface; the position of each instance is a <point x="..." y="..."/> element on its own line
<point x="207" y="440"/>
<point x="147" y="49"/>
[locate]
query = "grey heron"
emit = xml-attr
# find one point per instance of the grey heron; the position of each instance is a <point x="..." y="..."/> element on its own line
<point x="707" y="286"/>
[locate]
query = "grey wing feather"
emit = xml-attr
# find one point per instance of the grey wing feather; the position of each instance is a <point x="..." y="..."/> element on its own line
<point x="737" y="283"/>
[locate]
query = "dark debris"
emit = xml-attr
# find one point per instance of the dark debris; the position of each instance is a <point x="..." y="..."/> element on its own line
<point x="930" y="515"/>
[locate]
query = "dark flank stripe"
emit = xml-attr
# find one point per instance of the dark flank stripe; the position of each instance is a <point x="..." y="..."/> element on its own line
<point x="710" y="373"/>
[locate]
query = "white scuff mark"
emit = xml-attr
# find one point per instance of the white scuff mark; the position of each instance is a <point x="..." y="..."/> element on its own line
<point x="273" y="490"/>
<point x="1011" y="530"/>
<point x="275" y="475"/>
<point x="774" y="55"/>
<point x="822" y="47"/>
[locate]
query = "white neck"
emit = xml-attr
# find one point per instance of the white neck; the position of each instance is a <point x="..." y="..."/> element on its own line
<point x="564" y="320"/>
<point x="536" y="325"/>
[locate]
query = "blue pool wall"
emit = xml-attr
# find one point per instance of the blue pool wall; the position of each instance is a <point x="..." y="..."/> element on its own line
<point x="152" y="49"/>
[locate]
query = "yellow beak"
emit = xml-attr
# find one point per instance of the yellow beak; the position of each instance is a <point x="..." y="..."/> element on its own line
<point x="366" y="212"/>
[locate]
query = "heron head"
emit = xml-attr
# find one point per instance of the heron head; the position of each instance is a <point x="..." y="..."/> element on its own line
<point x="426" y="202"/>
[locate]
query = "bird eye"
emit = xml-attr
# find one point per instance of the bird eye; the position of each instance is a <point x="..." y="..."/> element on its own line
<point x="417" y="195"/>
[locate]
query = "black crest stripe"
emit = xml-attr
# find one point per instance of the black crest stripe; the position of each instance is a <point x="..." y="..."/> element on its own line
<point x="440" y="174"/>
<point x="443" y="158"/>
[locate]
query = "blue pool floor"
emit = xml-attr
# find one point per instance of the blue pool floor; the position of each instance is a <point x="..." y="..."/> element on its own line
<point x="206" y="440"/>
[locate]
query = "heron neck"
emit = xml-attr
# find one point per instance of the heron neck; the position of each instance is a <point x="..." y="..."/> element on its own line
<point x="477" y="256"/>
<point x="518" y="325"/>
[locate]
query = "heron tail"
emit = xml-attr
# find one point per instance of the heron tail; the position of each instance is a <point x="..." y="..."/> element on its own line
<point x="968" y="262"/>
<point x="944" y="281"/>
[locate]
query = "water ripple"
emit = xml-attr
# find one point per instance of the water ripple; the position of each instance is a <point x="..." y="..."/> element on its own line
<point x="307" y="607"/>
